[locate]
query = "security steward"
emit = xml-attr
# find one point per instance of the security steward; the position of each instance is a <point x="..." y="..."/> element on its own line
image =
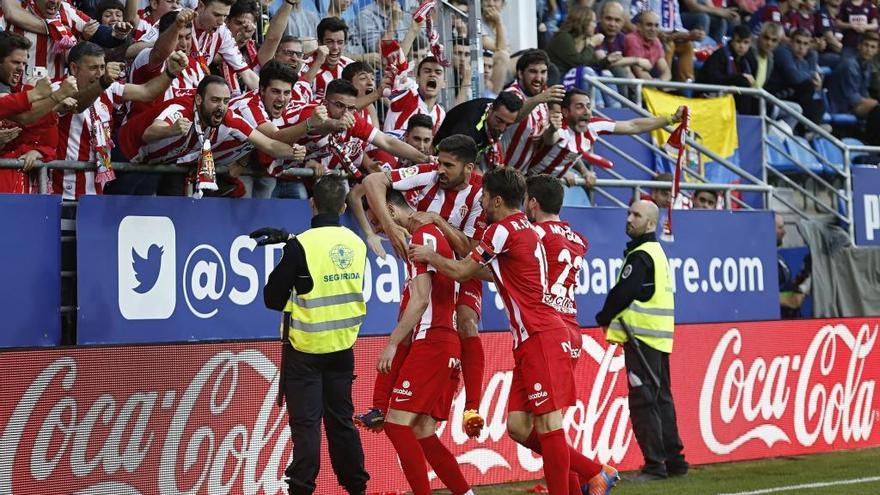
<point x="319" y="285"/>
<point x="639" y="313"/>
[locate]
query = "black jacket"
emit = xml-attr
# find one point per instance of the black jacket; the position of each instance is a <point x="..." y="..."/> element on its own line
<point x="724" y="69"/>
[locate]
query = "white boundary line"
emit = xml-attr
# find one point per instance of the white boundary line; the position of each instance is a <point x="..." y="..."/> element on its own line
<point x="807" y="485"/>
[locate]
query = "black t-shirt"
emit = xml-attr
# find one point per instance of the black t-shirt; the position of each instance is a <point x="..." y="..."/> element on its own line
<point x="464" y="119"/>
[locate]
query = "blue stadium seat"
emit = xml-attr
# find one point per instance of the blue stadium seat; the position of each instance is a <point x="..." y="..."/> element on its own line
<point x="776" y="159"/>
<point x="799" y="149"/>
<point x="830" y="152"/>
<point x="839" y="119"/>
<point x="575" y="196"/>
<point x="854" y="142"/>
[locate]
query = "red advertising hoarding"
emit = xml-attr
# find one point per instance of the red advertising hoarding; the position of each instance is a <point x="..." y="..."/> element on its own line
<point x="202" y="419"/>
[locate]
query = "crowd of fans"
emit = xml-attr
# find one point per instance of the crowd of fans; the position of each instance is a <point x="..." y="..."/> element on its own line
<point x="356" y="85"/>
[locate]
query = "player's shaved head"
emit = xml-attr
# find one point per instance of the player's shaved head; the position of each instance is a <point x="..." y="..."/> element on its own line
<point x="642" y="218"/>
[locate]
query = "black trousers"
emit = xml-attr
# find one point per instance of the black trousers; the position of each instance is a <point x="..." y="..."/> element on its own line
<point x="316" y="387"/>
<point x="653" y="413"/>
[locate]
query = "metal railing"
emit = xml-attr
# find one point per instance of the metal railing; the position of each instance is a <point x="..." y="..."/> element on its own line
<point x="637" y="185"/>
<point x="831" y="172"/>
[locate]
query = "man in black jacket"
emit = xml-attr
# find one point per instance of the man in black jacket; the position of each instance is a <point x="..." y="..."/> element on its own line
<point x="734" y="64"/>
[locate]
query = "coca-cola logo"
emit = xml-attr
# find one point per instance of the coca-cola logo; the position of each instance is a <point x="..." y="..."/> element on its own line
<point x="821" y="392"/>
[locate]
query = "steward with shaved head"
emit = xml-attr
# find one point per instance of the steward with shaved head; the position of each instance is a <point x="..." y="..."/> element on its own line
<point x="641" y="305"/>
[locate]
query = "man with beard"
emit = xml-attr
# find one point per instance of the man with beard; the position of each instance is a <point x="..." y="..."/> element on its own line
<point x="175" y="131"/>
<point x="332" y="33"/>
<point x="450" y="193"/>
<point x="262" y="110"/>
<point x="566" y="250"/>
<point x="519" y="141"/>
<point x="573" y="132"/>
<point x="543" y="382"/>
<point x="340" y="141"/>
<point x="86" y="134"/>
<point x="642" y="304"/>
<point x="483" y="120"/>
<point x="417" y="97"/>
<point x="31" y="141"/>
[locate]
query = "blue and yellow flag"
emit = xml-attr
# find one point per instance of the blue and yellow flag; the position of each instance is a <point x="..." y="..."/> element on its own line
<point x="714" y="119"/>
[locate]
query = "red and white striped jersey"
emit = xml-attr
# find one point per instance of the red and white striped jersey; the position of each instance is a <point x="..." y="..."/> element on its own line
<point x="520" y="140"/>
<point x="353" y="141"/>
<point x="512" y="250"/>
<point x="302" y="94"/>
<point x="75" y="142"/>
<point x="184" y="85"/>
<point x="207" y="45"/>
<point x="145" y="23"/>
<point x="249" y="106"/>
<point x="438" y="319"/>
<point x="565" y="251"/>
<point x="325" y="75"/>
<point x="226" y="141"/>
<point x="557" y="159"/>
<point x="41" y="53"/>
<point x="407" y="102"/>
<point x="462" y="209"/>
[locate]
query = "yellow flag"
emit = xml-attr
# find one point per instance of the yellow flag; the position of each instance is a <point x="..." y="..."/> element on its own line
<point x="714" y="119"/>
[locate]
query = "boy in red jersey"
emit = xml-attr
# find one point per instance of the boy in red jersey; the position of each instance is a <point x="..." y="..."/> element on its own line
<point x="428" y="377"/>
<point x="565" y="250"/>
<point x="511" y="253"/>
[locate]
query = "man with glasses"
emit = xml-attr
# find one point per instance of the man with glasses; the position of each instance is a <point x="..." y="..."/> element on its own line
<point x="796" y="75"/>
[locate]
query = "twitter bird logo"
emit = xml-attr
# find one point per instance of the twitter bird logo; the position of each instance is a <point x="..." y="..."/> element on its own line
<point x="146" y="269"/>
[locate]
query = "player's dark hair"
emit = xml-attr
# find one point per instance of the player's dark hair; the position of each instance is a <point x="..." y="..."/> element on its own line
<point x="84" y="49"/>
<point x="430" y="59"/>
<point x="532" y="57"/>
<point x="742" y="32"/>
<point x="340" y="87"/>
<point x="460" y="146"/>
<point x="242" y="7"/>
<point x="570" y="94"/>
<point x="331" y="25"/>
<point x="508" y="100"/>
<point x="167" y="19"/>
<point x="353" y="69"/>
<point x="329" y="194"/>
<point x="664" y="177"/>
<point x="800" y="33"/>
<point x="508" y="184"/>
<point x="711" y="192"/>
<point x="224" y="2"/>
<point x="547" y="191"/>
<point x="276" y="71"/>
<point x="10" y="42"/>
<point x="287" y="38"/>
<point x="869" y="36"/>
<point x="207" y="81"/>
<point x="105" y="6"/>
<point x="396" y="198"/>
<point x="420" y="120"/>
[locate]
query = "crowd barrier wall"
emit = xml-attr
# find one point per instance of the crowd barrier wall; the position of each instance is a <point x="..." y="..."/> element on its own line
<point x="201" y="418"/>
<point x="866" y="205"/>
<point x="177" y="269"/>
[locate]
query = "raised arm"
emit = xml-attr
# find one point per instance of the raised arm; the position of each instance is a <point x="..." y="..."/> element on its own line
<point x="17" y="15"/>
<point x="460" y="270"/>
<point x="357" y="209"/>
<point x="638" y="126"/>
<point x="399" y="148"/>
<point x="276" y="149"/>
<point x="154" y="88"/>
<point x="273" y="36"/>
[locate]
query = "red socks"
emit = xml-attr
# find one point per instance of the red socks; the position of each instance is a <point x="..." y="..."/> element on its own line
<point x="412" y="459"/>
<point x="444" y="464"/>
<point x="574" y="483"/>
<point x="556" y="461"/>
<point x="532" y="443"/>
<point x="580" y="464"/>
<point x="385" y="381"/>
<point x="473" y="361"/>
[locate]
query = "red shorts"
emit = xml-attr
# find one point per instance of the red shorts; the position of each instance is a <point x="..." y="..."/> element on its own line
<point x="577" y="340"/>
<point x="543" y="381"/>
<point x="428" y="378"/>
<point x="470" y="293"/>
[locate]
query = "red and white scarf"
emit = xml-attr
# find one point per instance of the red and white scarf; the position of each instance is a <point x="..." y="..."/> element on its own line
<point x="62" y="37"/>
<point x="423" y="13"/>
<point x="676" y="147"/>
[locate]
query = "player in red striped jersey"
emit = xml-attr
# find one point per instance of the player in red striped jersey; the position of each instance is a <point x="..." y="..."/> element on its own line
<point x="565" y="249"/>
<point x="574" y="134"/>
<point x="332" y="33"/>
<point x="450" y="191"/>
<point x="519" y="140"/>
<point x="426" y="380"/>
<point x="175" y="131"/>
<point x="512" y="255"/>
<point x="417" y="97"/>
<point x="86" y="135"/>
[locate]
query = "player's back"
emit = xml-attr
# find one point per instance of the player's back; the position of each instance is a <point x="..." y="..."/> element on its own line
<point x="565" y="250"/>
<point x="437" y="321"/>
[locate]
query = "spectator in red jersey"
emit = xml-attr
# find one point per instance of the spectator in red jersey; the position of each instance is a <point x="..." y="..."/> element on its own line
<point x="86" y="135"/>
<point x="804" y="16"/>
<point x="175" y="34"/>
<point x="856" y="17"/>
<point x="332" y="33"/>
<point x="417" y="97"/>
<point x="28" y="142"/>
<point x="831" y="33"/>
<point x="796" y="74"/>
<point x="644" y="44"/>
<point x="705" y="199"/>
<point x="363" y="77"/>
<point x="144" y="19"/>
<point x="419" y="134"/>
<point x="428" y="373"/>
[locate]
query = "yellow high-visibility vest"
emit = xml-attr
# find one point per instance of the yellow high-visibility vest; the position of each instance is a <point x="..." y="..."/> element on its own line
<point x="652" y="321"/>
<point x="328" y="318"/>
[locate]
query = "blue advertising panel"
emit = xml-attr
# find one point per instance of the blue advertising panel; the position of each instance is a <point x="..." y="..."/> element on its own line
<point x="176" y="269"/>
<point x="30" y="294"/>
<point x="866" y="205"/>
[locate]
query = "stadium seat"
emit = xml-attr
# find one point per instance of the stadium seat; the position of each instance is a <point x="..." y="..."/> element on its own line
<point x="851" y="141"/>
<point x="776" y="159"/>
<point x="799" y="149"/>
<point x="839" y="119"/>
<point x="575" y="196"/>
<point x="830" y="152"/>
